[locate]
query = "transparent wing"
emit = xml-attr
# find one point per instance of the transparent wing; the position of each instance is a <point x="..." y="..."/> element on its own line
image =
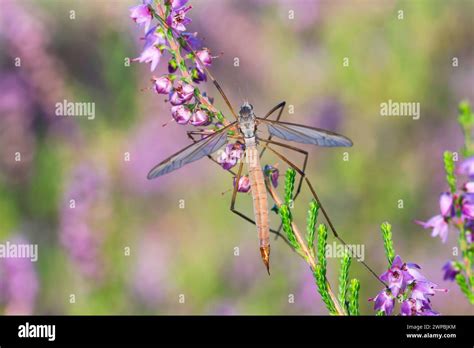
<point x="304" y="134"/>
<point x="191" y="153"/>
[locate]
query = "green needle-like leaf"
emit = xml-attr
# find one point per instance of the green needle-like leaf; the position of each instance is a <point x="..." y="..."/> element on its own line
<point x="387" y="242"/>
<point x="311" y="225"/>
<point x="344" y="280"/>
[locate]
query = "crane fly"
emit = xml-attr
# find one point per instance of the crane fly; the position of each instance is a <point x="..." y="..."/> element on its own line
<point x="244" y="130"/>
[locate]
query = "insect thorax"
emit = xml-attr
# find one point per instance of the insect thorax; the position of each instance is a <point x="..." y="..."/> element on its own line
<point x="247" y="120"/>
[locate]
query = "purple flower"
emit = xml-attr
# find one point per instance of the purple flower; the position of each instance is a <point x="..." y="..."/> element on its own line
<point x="152" y="55"/>
<point x="154" y="38"/>
<point x="231" y="154"/>
<point x="439" y="223"/>
<point x="466" y="167"/>
<point x="175" y="4"/>
<point x="204" y="56"/>
<point x="76" y="235"/>
<point x="451" y="270"/>
<point x="244" y="184"/>
<point x="397" y="276"/>
<point x="384" y="301"/>
<point x="200" y="118"/>
<point x="193" y="41"/>
<point x="181" y="114"/>
<point x="467" y="206"/>
<point x="172" y="66"/>
<point x="142" y="14"/>
<point x="446" y="204"/>
<point x="422" y="289"/>
<point x="177" y="18"/>
<point x="405" y="281"/>
<point x="198" y="75"/>
<point x="273" y="173"/>
<point x="439" y="226"/>
<point x="163" y="85"/>
<point x="469" y="186"/>
<point x="182" y="93"/>
<point x="412" y="269"/>
<point x="413" y="306"/>
<point x="18" y="283"/>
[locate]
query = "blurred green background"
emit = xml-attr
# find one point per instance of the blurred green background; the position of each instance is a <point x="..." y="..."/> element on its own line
<point x="131" y="247"/>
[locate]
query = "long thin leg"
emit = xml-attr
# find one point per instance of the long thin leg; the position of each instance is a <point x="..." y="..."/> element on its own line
<point x="234" y="198"/>
<point x="235" y="211"/>
<point x="280" y="106"/>
<point x="305" y="161"/>
<point x="333" y="229"/>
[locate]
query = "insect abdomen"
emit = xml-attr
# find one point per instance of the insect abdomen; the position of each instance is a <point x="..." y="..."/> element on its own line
<point x="260" y="202"/>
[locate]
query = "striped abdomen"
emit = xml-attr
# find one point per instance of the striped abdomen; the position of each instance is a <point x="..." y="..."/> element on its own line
<point x="259" y="196"/>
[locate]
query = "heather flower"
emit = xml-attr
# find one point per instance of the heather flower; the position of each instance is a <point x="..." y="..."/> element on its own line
<point x="172" y="66"/>
<point x="151" y="54"/>
<point x="163" y="85"/>
<point x="154" y="38"/>
<point x="181" y="114"/>
<point x="177" y="18"/>
<point x="413" y="306"/>
<point x="273" y="173"/>
<point x="244" y="184"/>
<point x="200" y="118"/>
<point x="422" y="289"/>
<point x="198" y="75"/>
<point x="467" y="206"/>
<point x="175" y="4"/>
<point x="469" y="187"/>
<point x="193" y="41"/>
<point x="18" y="284"/>
<point x="384" y="301"/>
<point x="413" y="270"/>
<point x="439" y="226"/>
<point x="397" y="276"/>
<point x="142" y="14"/>
<point x="231" y="154"/>
<point x="446" y="204"/>
<point x="76" y="234"/>
<point x="406" y="283"/>
<point x="204" y="56"/>
<point x="466" y="167"/>
<point x="451" y="269"/>
<point x="182" y="93"/>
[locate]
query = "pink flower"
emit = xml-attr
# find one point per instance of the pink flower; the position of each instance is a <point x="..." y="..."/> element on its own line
<point x="469" y="187"/>
<point x="439" y="226"/>
<point x="182" y="93"/>
<point x="244" y="184"/>
<point x="150" y="55"/>
<point x="180" y="114"/>
<point x="384" y="301"/>
<point x="200" y="118"/>
<point x="439" y="223"/>
<point x="204" y="56"/>
<point x="142" y="14"/>
<point x="175" y="4"/>
<point x="467" y="167"/>
<point x="231" y="155"/>
<point x="177" y="18"/>
<point x="163" y="85"/>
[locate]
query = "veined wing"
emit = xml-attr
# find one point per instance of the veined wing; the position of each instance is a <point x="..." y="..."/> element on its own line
<point x="304" y="134"/>
<point x="191" y="153"/>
